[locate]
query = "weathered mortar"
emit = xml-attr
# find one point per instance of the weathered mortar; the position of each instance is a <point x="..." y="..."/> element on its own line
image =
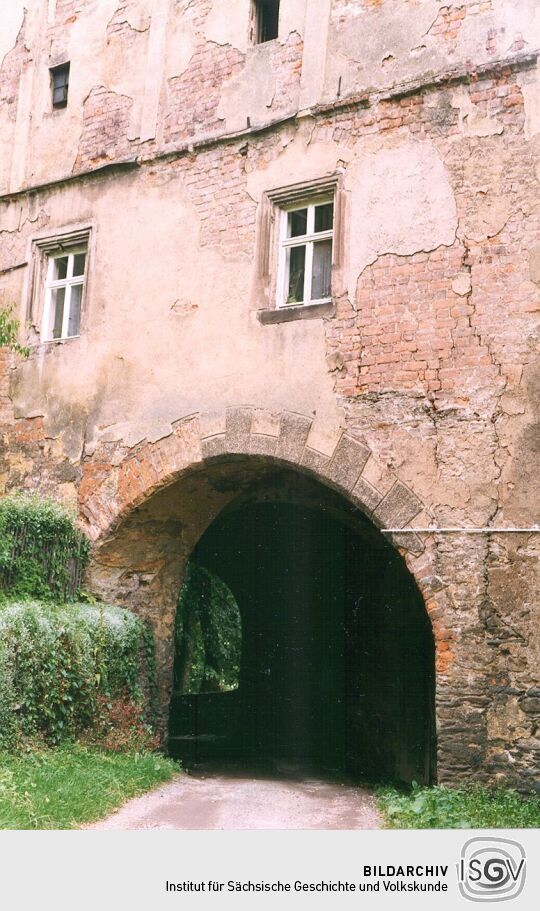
<point x="429" y="362"/>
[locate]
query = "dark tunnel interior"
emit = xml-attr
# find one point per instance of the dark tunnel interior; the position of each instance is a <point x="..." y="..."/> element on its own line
<point x="337" y="653"/>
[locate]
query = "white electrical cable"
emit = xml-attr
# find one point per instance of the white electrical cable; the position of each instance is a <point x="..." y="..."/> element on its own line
<point x="464" y="531"/>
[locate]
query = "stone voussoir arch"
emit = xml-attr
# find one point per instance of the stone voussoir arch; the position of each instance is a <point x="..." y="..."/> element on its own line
<point x="284" y="437"/>
<point x="288" y="439"/>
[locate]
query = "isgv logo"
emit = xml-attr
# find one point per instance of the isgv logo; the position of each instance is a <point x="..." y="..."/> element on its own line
<point x="491" y="869"/>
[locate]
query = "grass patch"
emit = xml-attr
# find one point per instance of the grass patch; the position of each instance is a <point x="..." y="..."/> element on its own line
<point x="72" y="785"/>
<point x="460" y="808"/>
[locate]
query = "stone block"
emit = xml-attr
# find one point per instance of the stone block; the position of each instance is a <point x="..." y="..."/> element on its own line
<point x="238" y="429"/>
<point x="315" y="461"/>
<point x="366" y="496"/>
<point x="213" y="446"/>
<point x="408" y="541"/>
<point x="347" y="462"/>
<point x="261" y="444"/>
<point x="293" y="435"/>
<point x="399" y="506"/>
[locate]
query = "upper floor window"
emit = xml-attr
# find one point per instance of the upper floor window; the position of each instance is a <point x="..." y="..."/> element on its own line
<point x="266" y="20"/>
<point x="64" y="287"/>
<point x="60" y="85"/>
<point x="306" y="243"/>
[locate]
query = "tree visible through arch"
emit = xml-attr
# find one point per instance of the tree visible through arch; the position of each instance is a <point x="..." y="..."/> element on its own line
<point x="208" y="635"/>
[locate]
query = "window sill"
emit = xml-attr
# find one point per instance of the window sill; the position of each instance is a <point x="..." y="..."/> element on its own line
<point x="304" y="311"/>
<point x="55" y="341"/>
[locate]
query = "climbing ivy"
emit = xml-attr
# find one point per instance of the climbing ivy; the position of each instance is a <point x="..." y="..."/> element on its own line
<point x="67" y="670"/>
<point x="42" y="553"/>
<point x="9" y="331"/>
<point x="63" y="666"/>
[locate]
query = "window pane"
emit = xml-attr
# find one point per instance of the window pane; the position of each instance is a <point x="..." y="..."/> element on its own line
<point x="60" y="78"/>
<point x="78" y="263"/>
<point x="60" y="268"/>
<point x="267" y="20"/>
<point x="324" y="217"/>
<point x="322" y="270"/>
<point x="296" y="263"/>
<point x="57" y="312"/>
<point x="74" y="321"/>
<point x="297" y="225"/>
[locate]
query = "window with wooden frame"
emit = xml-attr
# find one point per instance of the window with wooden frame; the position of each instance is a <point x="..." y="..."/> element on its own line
<point x="59" y="282"/>
<point x="60" y="85"/>
<point x="300" y="249"/>
<point x="305" y="257"/>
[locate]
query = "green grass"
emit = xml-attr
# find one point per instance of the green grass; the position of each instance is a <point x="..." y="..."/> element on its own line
<point x="73" y="785"/>
<point x="463" y="808"/>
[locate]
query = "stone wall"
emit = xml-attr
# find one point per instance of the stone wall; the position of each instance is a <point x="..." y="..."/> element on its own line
<point x="426" y="367"/>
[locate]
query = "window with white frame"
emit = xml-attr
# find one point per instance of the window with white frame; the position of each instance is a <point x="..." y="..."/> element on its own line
<point x="305" y="253"/>
<point x="64" y="290"/>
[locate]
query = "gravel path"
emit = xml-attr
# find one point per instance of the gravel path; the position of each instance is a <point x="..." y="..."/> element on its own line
<point x="236" y="799"/>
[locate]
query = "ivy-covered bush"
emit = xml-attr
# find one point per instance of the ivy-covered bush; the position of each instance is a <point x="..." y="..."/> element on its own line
<point x="42" y="553"/>
<point x="66" y="669"/>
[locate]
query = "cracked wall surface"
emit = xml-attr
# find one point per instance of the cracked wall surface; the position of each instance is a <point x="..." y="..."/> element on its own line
<point x="423" y="380"/>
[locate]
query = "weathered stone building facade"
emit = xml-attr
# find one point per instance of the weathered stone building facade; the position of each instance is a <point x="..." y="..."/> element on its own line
<point x="181" y="379"/>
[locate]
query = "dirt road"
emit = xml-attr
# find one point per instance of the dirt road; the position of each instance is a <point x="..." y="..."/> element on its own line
<point x="281" y="798"/>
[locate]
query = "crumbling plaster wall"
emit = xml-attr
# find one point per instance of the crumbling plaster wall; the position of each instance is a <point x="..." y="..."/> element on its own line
<point x="374" y="44"/>
<point x="431" y="359"/>
<point x="152" y="74"/>
<point x="144" y="75"/>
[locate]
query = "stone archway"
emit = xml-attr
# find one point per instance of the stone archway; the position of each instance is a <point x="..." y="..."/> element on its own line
<point x="154" y="504"/>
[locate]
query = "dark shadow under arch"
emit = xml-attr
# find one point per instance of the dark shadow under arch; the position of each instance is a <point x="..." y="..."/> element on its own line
<point x="337" y="650"/>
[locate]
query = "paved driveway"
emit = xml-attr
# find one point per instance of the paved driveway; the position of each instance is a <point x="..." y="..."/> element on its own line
<point x="230" y="798"/>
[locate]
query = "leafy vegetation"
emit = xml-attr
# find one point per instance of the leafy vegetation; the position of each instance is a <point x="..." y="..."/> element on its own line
<point x="42" y="553"/>
<point x="208" y="635"/>
<point x="67" y="670"/>
<point x="464" y="808"/>
<point x="66" y="787"/>
<point x="63" y="668"/>
<point x="9" y="332"/>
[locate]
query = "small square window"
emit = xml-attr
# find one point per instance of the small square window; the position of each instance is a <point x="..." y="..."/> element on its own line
<point x="305" y="253"/>
<point x="266" y="20"/>
<point x="60" y="85"/>
<point x="64" y="288"/>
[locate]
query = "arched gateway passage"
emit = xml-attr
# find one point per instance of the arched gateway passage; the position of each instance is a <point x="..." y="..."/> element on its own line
<point x="337" y="657"/>
<point x="337" y="650"/>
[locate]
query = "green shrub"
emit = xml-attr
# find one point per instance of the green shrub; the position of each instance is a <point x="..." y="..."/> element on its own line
<point x="62" y="666"/>
<point x="42" y="553"/>
<point x="9" y="331"/>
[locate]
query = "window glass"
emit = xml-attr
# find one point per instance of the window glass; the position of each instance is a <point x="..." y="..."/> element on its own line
<point x="324" y="217"/>
<point x="297" y="223"/>
<point x="322" y="270"/>
<point x="266" y="20"/>
<point x="60" y="268"/>
<point x="79" y="260"/>
<point x="58" y="296"/>
<point x="296" y="273"/>
<point x="60" y="84"/>
<point x="74" y="321"/>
